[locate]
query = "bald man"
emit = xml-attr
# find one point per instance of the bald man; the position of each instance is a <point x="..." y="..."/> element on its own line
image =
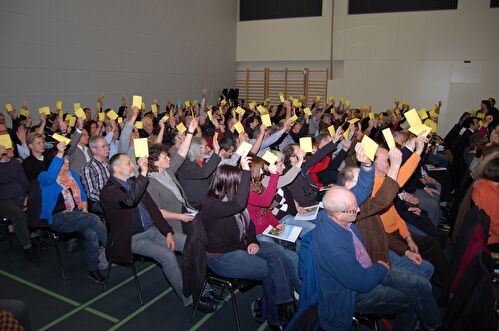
<point x="350" y="281"/>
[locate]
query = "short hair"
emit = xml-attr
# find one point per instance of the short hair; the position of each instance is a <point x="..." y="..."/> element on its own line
<point x="320" y="138"/>
<point x="288" y="152"/>
<point x="334" y="205"/>
<point x="469" y="121"/>
<point x="32" y="136"/>
<point x="226" y="143"/>
<point x="88" y="125"/>
<point x="345" y="175"/>
<point x="155" y="152"/>
<point x="491" y="170"/>
<point x="94" y="140"/>
<point x="114" y="160"/>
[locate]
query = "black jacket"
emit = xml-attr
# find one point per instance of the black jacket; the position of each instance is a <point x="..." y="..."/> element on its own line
<point x="194" y="261"/>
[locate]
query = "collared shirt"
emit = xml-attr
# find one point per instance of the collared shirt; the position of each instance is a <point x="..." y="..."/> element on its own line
<point x="94" y="175"/>
<point x="85" y="152"/>
<point x="144" y="214"/>
<point x="360" y="251"/>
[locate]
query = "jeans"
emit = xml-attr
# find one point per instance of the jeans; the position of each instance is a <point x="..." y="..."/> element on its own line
<point x="438" y="159"/>
<point x="402" y="263"/>
<point x="89" y="226"/>
<point x="152" y="243"/>
<point x="292" y="258"/>
<point x="12" y="209"/>
<point x="405" y="294"/>
<point x="268" y="265"/>
<point x="430" y="204"/>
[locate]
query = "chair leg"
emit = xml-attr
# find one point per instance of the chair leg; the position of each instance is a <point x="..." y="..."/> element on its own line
<point x="137" y="284"/>
<point x="376" y="325"/>
<point x="356" y="324"/>
<point x="61" y="265"/>
<point x="199" y="298"/>
<point x="234" y="306"/>
<point x="9" y="237"/>
<point x="108" y="272"/>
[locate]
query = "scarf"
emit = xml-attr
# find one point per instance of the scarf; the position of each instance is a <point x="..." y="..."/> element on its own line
<point x="242" y="220"/>
<point x="70" y="190"/>
<point x="166" y="180"/>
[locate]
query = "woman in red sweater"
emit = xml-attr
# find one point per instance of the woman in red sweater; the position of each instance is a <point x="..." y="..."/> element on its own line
<point x="259" y="208"/>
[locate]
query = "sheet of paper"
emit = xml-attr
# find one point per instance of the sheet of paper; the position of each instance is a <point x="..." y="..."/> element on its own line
<point x="61" y="138"/>
<point x="5" y="141"/>
<point x="261" y="109"/>
<point x="306" y="144"/>
<point x="387" y="133"/>
<point x="102" y="116"/>
<point x="154" y="108"/>
<point x="72" y="121"/>
<point x="76" y="106"/>
<point x="243" y="149"/>
<point x="296" y="103"/>
<point x="80" y="113"/>
<point x="293" y="118"/>
<point x="112" y="114"/>
<point x="239" y="127"/>
<point x="270" y="157"/>
<point x="141" y="147"/>
<point x="240" y="111"/>
<point x="139" y="125"/>
<point x="307" y="111"/>
<point x="165" y="118"/>
<point x="9" y="107"/>
<point x="58" y="104"/>
<point x="266" y="120"/>
<point x="370" y="147"/>
<point x="137" y="101"/>
<point x="181" y="127"/>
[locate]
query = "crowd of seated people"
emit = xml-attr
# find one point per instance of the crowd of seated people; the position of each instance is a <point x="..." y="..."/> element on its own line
<point x="236" y="169"/>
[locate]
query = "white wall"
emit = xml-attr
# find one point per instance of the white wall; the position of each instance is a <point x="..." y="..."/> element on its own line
<point x="417" y="56"/>
<point x="75" y="50"/>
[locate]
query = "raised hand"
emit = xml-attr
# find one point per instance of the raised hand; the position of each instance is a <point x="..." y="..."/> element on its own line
<point x="21" y="134"/>
<point x="245" y="162"/>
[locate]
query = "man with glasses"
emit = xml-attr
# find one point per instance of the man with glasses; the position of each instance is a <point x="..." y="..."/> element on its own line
<point x="79" y="154"/>
<point x="350" y="281"/>
<point x="94" y="174"/>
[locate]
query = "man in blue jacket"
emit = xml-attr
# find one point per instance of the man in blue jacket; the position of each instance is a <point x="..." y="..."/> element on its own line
<point x="349" y="281"/>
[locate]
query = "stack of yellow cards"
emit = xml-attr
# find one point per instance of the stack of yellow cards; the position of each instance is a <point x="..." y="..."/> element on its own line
<point x="243" y="149"/>
<point x="306" y="144"/>
<point x="370" y="147"/>
<point x="269" y="157"/>
<point x="141" y="147"/>
<point x="5" y="141"/>
<point x="61" y="138"/>
<point x="239" y="127"/>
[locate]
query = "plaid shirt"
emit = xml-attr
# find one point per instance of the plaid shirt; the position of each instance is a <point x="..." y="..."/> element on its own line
<point x="94" y="176"/>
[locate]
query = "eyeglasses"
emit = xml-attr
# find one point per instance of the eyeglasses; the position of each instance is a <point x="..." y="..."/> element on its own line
<point x="354" y="210"/>
<point x="103" y="146"/>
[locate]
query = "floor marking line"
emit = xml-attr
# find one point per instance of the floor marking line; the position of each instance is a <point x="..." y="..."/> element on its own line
<point x="85" y="305"/>
<point x="262" y="327"/>
<point x="141" y="309"/>
<point x="208" y="316"/>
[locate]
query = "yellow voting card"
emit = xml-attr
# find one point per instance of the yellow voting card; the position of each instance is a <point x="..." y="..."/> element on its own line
<point x="372" y="115"/>
<point x="223" y="102"/>
<point x="306" y="144"/>
<point x="112" y="114"/>
<point x="5" y="141"/>
<point x="139" y="125"/>
<point x="243" y="149"/>
<point x="80" y="113"/>
<point x="307" y="111"/>
<point x="480" y="115"/>
<point x="270" y="157"/>
<point x="353" y="120"/>
<point x="240" y="110"/>
<point x="422" y="114"/>
<point x="24" y="112"/>
<point x="331" y="130"/>
<point x="431" y="124"/>
<point x="9" y="107"/>
<point x="239" y="127"/>
<point x="293" y="118"/>
<point x="215" y="136"/>
<point x="387" y="133"/>
<point x="296" y="103"/>
<point x="346" y="134"/>
<point x="181" y="127"/>
<point x="187" y="103"/>
<point x="281" y="98"/>
<point x="120" y="120"/>
<point x="137" y="101"/>
<point x="266" y="120"/>
<point x="58" y="104"/>
<point x="413" y="118"/>
<point x="347" y="102"/>
<point x="61" y="138"/>
<point x="165" y="118"/>
<point x="72" y="121"/>
<point x="76" y="106"/>
<point x="210" y="114"/>
<point x="102" y="117"/>
<point x="154" y="108"/>
<point x="370" y="147"/>
<point x="262" y="109"/>
<point x="44" y="110"/>
<point x="141" y="147"/>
